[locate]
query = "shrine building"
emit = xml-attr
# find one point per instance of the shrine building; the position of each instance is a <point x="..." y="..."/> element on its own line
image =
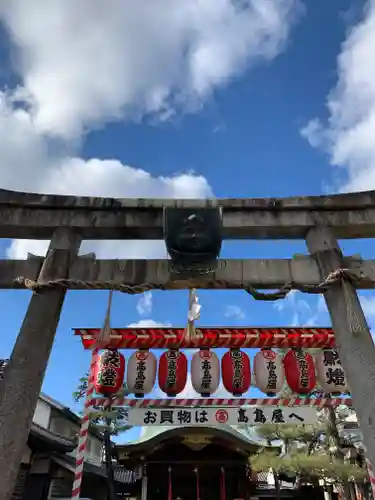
<point x="196" y="463"/>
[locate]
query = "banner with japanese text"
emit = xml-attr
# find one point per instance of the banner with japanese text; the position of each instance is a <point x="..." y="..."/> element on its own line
<point x="214" y="416"/>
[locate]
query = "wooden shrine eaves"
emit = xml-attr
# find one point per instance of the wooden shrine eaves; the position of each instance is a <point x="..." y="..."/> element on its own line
<point x="231" y="274"/>
<point x="36" y="216"/>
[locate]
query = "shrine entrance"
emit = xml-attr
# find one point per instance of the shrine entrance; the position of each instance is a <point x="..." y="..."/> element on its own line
<point x="192" y="463"/>
<point x="189" y="482"/>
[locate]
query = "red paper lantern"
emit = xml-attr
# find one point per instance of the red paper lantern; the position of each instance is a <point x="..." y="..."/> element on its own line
<point x="236" y="372"/>
<point x="109" y="372"/>
<point x="300" y="371"/>
<point x="173" y="367"/>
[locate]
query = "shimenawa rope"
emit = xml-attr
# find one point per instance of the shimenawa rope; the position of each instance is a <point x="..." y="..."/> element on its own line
<point x="73" y="284"/>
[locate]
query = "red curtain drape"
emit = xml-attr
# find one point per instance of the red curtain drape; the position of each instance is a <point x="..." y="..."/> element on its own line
<point x="222" y="484"/>
<point x="198" y="495"/>
<point x="169" y="483"/>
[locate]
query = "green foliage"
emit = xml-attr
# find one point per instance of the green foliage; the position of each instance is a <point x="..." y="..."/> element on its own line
<point x="102" y="418"/>
<point x="80" y="392"/>
<point x="320" y="466"/>
<point x="290" y="433"/>
<point x="307" y="450"/>
<point x="311" y="452"/>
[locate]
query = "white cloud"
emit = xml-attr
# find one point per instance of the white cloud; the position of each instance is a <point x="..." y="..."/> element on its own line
<point x="89" y="62"/>
<point x="313" y="133"/>
<point x="368" y="306"/>
<point x="302" y="312"/>
<point x="144" y="305"/>
<point x="232" y="311"/>
<point x="23" y="152"/>
<point x="315" y="312"/>
<point x="348" y="136"/>
<point x="29" y="163"/>
<point x="83" y="65"/>
<point x="148" y="323"/>
<point x="27" y="166"/>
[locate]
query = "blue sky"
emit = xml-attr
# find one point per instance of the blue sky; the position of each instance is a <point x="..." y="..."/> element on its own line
<point x="225" y="99"/>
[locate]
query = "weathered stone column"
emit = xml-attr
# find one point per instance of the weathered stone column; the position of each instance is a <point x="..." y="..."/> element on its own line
<point x="353" y="339"/>
<point x="24" y="375"/>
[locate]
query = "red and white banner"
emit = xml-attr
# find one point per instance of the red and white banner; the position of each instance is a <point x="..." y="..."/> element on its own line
<point x="208" y="402"/>
<point x="218" y="416"/>
<point x="176" y="338"/>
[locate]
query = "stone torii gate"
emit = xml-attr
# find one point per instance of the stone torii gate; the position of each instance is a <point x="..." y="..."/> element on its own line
<point x="67" y="220"/>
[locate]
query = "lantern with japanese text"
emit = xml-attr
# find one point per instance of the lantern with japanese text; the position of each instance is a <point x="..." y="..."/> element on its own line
<point x="330" y="373"/>
<point x="205" y="372"/>
<point x="236" y="372"/>
<point x="269" y="371"/>
<point x="299" y="371"/>
<point x="141" y="374"/>
<point x="172" y="372"/>
<point x="109" y="372"/>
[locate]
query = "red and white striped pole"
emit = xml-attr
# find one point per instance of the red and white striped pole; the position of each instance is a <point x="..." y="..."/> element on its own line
<point x="83" y="433"/>
<point x="371" y="476"/>
<point x="101" y="340"/>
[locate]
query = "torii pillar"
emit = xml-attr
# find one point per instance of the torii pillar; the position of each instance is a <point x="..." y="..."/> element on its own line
<point x="23" y="377"/>
<point x="353" y="338"/>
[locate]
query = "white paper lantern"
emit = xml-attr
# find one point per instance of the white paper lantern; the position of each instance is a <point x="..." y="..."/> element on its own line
<point x="141" y="374"/>
<point x="205" y="372"/>
<point x="330" y="373"/>
<point x="269" y="371"/>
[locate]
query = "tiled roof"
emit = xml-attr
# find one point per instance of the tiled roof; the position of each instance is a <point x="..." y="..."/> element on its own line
<point x="69" y="414"/>
<point x="54" y="440"/>
<point x="246" y="434"/>
<point x="120" y="474"/>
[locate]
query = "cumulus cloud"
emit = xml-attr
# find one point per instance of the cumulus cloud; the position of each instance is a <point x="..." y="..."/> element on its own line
<point x="29" y="165"/>
<point x="300" y="311"/>
<point x="235" y="312"/>
<point x="148" y="323"/>
<point x="368" y="306"/>
<point x="88" y="62"/>
<point x="144" y="305"/>
<point x="82" y="65"/>
<point x="110" y="178"/>
<point x="348" y="135"/>
<point x="314" y="312"/>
